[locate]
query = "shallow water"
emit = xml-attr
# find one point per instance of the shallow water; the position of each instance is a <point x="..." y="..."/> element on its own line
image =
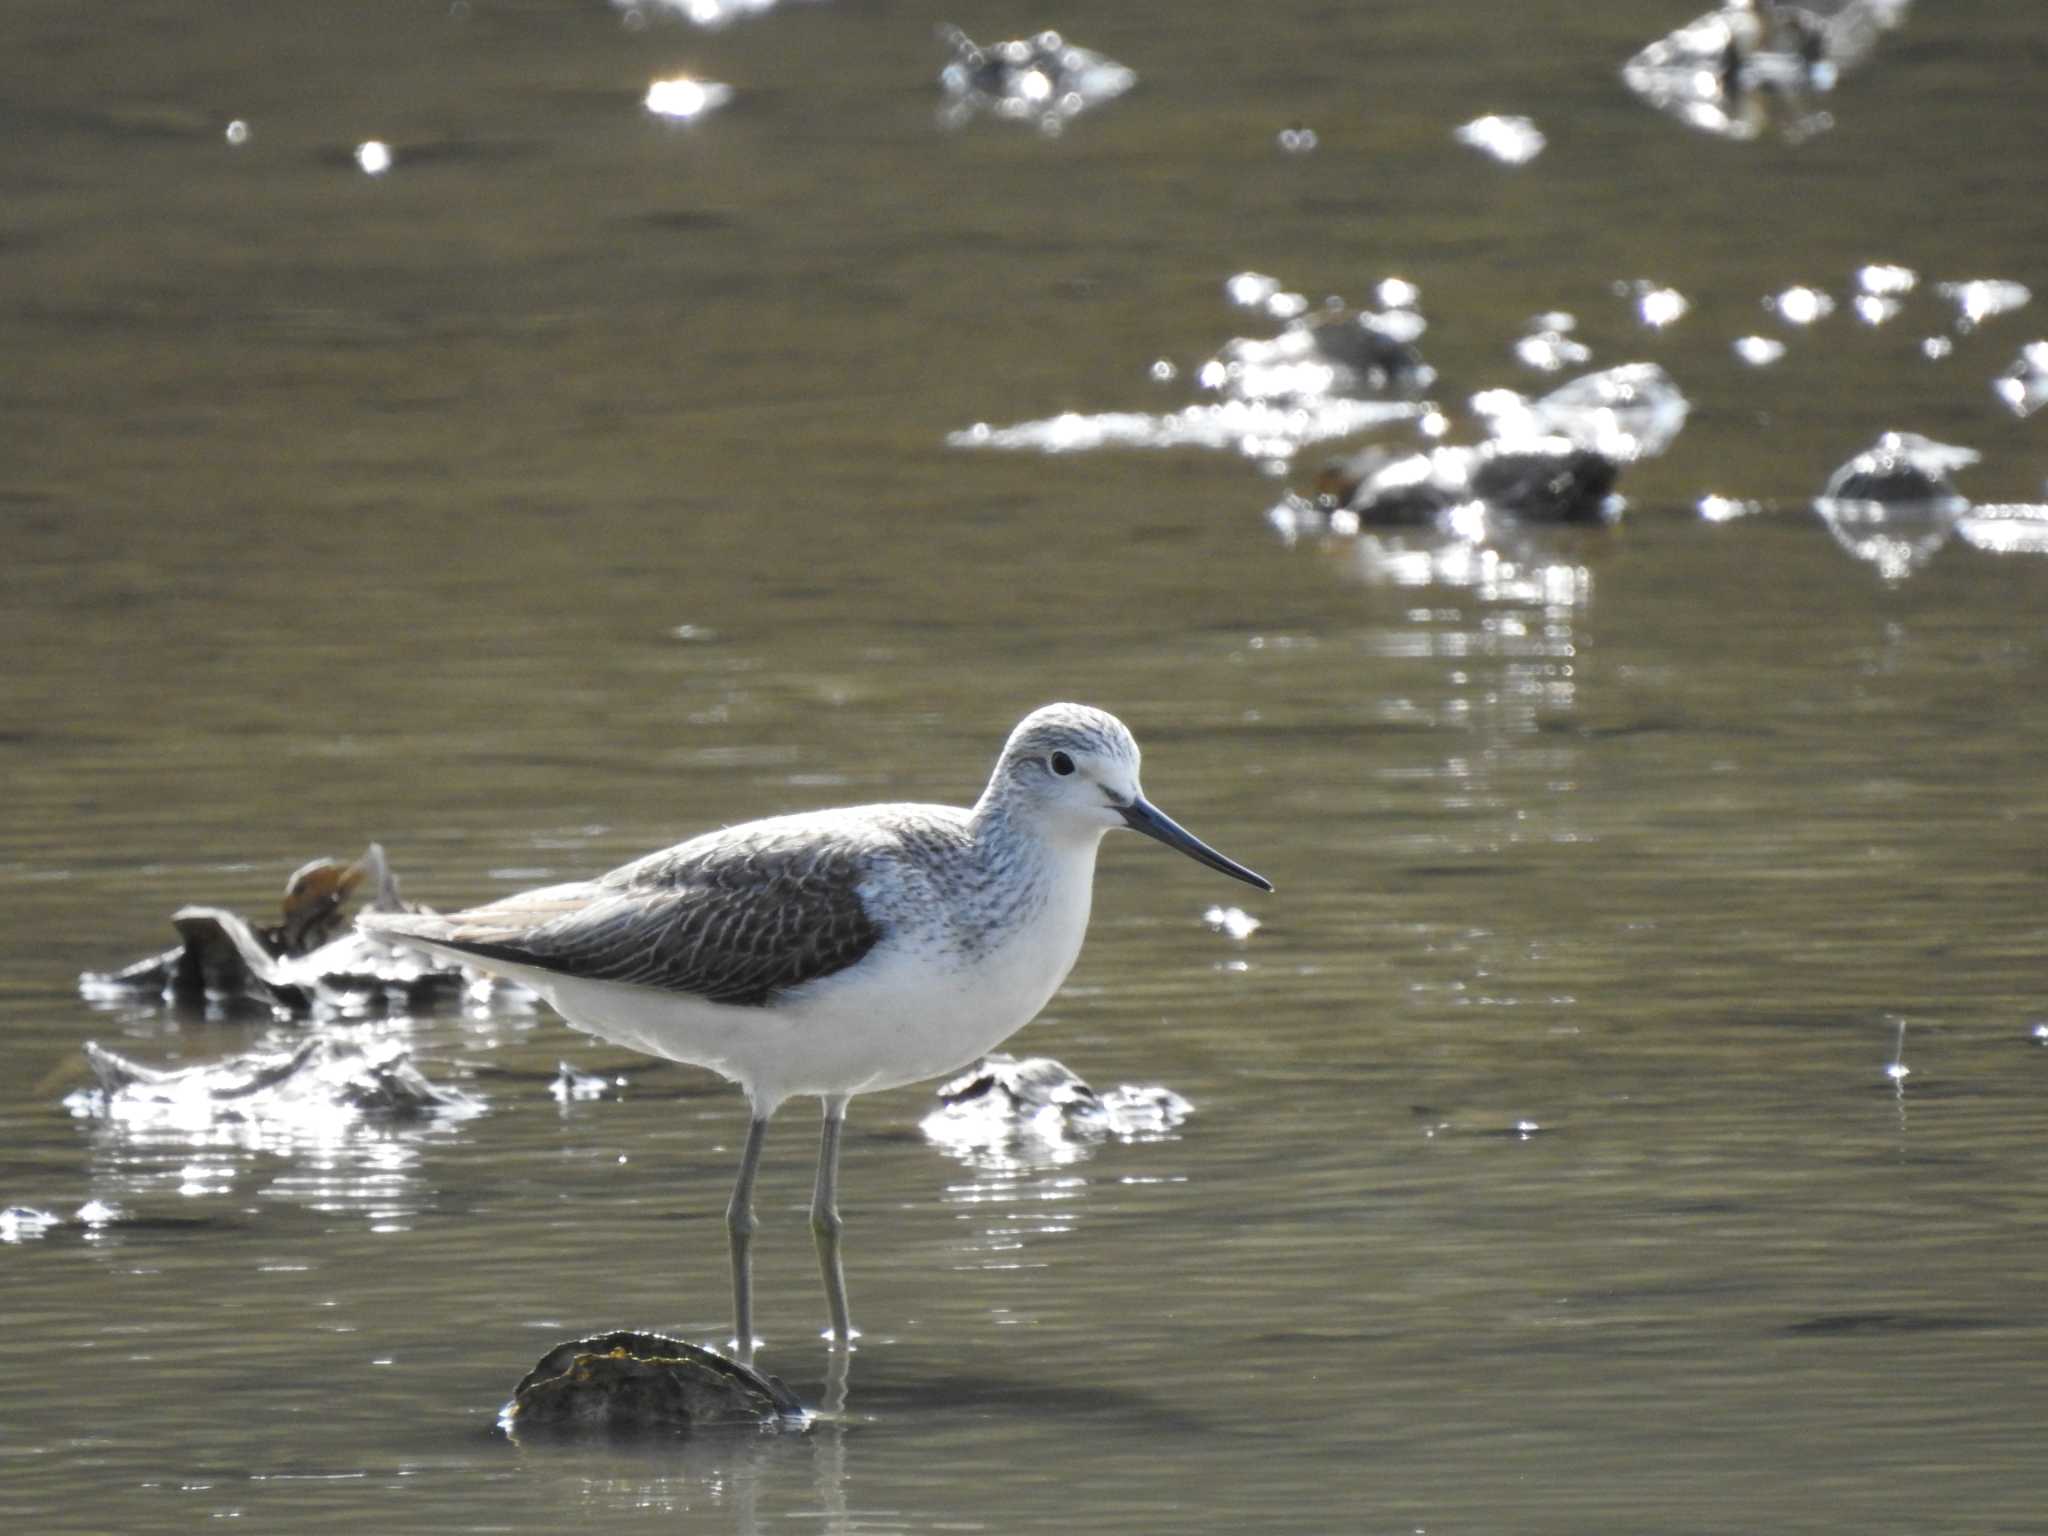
<point x="581" y="483"/>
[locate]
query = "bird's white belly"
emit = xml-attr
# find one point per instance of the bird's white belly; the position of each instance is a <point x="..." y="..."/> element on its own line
<point x="902" y="1014"/>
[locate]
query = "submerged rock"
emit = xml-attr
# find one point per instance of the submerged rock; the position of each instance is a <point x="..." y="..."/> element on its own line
<point x="312" y="959"/>
<point x="631" y="1384"/>
<point x="1336" y="352"/>
<point x="25" y="1223"/>
<point x="1043" y="80"/>
<point x="1633" y="411"/>
<point x="571" y="1085"/>
<point x="1892" y="505"/>
<point x="319" y="1079"/>
<point x="1037" y="1104"/>
<point x="1902" y="468"/>
<point x="1537" y="480"/>
<point x="1722" y="72"/>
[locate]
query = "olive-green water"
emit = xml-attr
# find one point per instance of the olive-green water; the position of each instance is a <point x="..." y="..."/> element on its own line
<point x="580" y="484"/>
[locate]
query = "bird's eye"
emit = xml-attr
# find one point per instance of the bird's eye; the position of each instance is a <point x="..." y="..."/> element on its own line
<point x="1060" y="764"/>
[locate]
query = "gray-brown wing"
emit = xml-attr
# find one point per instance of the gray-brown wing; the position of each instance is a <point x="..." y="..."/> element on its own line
<point x="732" y="925"/>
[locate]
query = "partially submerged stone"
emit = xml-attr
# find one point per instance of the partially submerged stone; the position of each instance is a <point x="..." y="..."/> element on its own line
<point x="1038" y="1107"/>
<point x="322" y="1077"/>
<point x="1902" y="468"/>
<point x="1335" y="352"/>
<point x="1537" y="480"/>
<point x="1042" y="79"/>
<point x="1629" y="412"/>
<point x="629" y="1384"/>
<point x="1726" y="71"/>
<point x="1893" y="505"/>
<point x="312" y="959"/>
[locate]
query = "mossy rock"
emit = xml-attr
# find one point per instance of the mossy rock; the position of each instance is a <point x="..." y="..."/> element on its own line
<point x="627" y="1383"/>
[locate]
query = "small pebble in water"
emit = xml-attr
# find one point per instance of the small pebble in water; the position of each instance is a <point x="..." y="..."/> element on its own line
<point x="570" y="1085"/>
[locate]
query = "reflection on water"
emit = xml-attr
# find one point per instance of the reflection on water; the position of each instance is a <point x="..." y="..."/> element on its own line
<point x="337" y="1125"/>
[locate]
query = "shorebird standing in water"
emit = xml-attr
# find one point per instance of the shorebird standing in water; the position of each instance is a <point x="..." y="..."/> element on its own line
<point x="835" y="952"/>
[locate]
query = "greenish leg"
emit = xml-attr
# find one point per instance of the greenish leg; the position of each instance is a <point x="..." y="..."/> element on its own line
<point x="739" y="1231"/>
<point x="826" y="1223"/>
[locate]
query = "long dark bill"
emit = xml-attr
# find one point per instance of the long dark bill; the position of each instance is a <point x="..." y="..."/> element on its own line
<point x="1141" y="815"/>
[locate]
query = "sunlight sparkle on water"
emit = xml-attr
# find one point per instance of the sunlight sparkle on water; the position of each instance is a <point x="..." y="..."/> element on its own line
<point x="1231" y="922"/>
<point x="373" y="157"/>
<point x="1661" y="307"/>
<point x="1510" y="140"/>
<point x="1657" y="306"/>
<point x="1398" y="293"/>
<point x="1983" y="297"/>
<point x="1251" y="289"/>
<point x="682" y="99"/>
<point x="1800" y="305"/>
<point x="1886" y="280"/>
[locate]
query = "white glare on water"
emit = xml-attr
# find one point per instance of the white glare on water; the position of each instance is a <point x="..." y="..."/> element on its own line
<point x="683" y="99"/>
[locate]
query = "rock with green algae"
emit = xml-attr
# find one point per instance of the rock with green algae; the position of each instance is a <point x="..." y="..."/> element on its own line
<point x="627" y="1383"/>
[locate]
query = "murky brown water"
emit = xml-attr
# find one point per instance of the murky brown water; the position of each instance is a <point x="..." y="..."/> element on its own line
<point x="342" y="508"/>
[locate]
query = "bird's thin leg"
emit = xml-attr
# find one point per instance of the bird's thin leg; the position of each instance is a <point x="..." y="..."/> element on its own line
<point x="825" y="1222"/>
<point x="739" y="1231"/>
